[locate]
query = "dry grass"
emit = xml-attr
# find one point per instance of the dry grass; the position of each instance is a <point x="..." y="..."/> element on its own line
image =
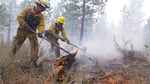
<point x="134" y="70"/>
<point x="17" y="70"/>
<point x="136" y="64"/>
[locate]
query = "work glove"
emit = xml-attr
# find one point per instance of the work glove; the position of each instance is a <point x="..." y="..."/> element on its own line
<point x="40" y="35"/>
<point x="47" y="33"/>
<point x="62" y="39"/>
<point x="68" y="42"/>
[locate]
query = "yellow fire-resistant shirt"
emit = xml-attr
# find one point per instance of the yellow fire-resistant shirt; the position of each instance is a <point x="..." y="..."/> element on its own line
<point x="56" y="33"/>
<point x="24" y="13"/>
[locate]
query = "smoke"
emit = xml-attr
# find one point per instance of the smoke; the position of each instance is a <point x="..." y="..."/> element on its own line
<point x="127" y="31"/>
<point x="101" y="47"/>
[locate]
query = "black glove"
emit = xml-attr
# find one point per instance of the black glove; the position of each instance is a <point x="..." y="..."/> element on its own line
<point x="47" y="33"/>
<point x="40" y="35"/>
<point x="68" y="42"/>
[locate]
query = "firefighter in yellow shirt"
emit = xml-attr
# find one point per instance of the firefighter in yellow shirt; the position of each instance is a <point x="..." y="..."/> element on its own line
<point x="30" y="19"/>
<point x="53" y="34"/>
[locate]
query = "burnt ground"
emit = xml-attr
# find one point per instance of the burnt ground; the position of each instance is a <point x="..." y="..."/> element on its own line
<point x="128" y="70"/>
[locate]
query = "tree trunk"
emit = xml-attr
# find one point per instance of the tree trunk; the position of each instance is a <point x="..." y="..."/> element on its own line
<point x="82" y="22"/>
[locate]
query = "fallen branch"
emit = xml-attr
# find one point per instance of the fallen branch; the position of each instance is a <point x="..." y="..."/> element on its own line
<point x="110" y="75"/>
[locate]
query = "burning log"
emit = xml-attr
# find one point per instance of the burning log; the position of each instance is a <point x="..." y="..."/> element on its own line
<point x="62" y="64"/>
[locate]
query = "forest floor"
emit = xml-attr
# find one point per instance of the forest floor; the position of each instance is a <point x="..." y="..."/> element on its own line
<point x="131" y="69"/>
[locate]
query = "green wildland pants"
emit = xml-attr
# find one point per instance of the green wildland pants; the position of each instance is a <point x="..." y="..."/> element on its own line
<point x="54" y="39"/>
<point x="20" y="38"/>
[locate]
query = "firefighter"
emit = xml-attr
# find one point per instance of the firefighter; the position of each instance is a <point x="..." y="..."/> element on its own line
<point x="30" y="19"/>
<point x="53" y="34"/>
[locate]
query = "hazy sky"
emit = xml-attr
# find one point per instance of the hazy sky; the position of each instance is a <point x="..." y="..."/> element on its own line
<point x="146" y="8"/>
<point x="113" y="11"/>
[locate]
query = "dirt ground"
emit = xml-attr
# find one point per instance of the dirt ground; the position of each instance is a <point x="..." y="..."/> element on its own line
<point x="132" y="72"/>
<point x="128" y="70"/>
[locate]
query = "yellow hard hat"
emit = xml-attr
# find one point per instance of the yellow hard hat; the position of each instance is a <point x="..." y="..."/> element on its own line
<point x="44" y="3"/>
<point x="61" y="19"/>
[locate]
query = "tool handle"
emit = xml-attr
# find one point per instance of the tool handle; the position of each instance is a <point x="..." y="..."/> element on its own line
<point x="56" y="45"/>
<point x="76" y="46"/>
<point x="53" y="43"/>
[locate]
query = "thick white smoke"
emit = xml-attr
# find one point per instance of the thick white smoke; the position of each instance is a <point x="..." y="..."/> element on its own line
<point x="127" y="30"/>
